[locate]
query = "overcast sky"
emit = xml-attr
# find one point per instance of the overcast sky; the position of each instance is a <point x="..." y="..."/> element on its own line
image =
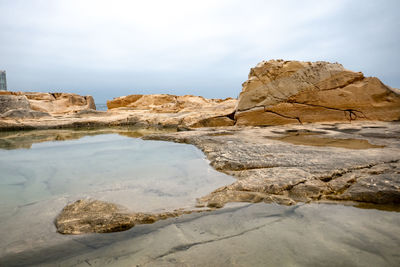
<point x="113" y="48"/>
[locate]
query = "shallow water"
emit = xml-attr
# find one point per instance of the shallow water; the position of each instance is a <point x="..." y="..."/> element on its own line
<point x="313" y="139"/>
<point x="146" y="176"/>
<point x="39" y="177"/>
<point x="101" y="106"/>
<point x="244" y="235"/>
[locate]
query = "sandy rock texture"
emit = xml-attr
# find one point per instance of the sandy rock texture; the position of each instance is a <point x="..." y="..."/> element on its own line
<point x="94" y="216"/>
<point x="32" y="105"/>
<point x="187" y="110"/>
<point x="166" y="111"/>
<point x="282" y="92"/>
<point x="301" y="163"/>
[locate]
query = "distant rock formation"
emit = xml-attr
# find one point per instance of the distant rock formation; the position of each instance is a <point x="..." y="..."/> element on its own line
<point x="281" y="92"/>
<point x="165" y="103"/>
<point x="35" y="105"/>
<point x="187" y="110"/>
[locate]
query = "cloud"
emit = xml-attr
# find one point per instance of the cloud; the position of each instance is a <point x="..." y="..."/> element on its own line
<point x="116" y="48"/>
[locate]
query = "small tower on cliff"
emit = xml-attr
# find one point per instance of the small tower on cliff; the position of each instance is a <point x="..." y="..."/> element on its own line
<point x="3" y="81"/>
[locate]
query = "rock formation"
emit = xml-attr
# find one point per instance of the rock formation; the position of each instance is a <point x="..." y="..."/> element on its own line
<point x="187" y="110"/>
<point x="318" y="162"/>
<point x="281" y="92"/>
<point x="95" y="216"/>
<point x="51" y="103"/>
<point x="165" y="103"/>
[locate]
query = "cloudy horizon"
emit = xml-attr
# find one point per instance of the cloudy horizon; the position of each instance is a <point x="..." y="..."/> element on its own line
<point x="109" y="49"/>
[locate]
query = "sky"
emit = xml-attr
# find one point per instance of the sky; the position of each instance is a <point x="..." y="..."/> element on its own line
<point x="113" y="48"/>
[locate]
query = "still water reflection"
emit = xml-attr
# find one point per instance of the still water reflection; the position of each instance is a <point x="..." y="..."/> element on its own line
<point x="42" y="171"/>
<point x="148" y="176"/>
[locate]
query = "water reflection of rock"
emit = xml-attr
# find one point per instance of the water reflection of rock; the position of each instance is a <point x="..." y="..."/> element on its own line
<point x="25" y="139"/>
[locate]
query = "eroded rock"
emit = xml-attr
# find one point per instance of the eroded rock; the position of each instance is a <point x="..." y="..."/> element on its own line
<point x="85" y="216"/>
<point x="95" y="216"/>
<point x="283" y="92"/>
<point x="273" y="170"/>
<point x="187" y="110"/>
<point x="12" y="102"/>
<point x="54" y="103"/>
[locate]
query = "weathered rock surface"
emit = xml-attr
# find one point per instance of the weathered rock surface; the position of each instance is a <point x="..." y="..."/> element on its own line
<point x="85" y="216"/>
<point x="94" y="216"/>
<point x="12" y="102"/>
<point x="282" y="92"/>
<point x="53" y="103"/>
<point x="355" y="162"/>
<point x="165" y="111"/>
<point x="165" y="103"/>
<point x="277" y="92"/>
<point x="187" y="110"/>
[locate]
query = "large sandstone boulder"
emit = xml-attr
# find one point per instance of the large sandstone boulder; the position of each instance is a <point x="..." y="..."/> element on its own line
<point x="281" y="92"/>
<point x="55" y="103"/>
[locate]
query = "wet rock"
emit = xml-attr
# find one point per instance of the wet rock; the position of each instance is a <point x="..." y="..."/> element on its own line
<point x="95" y="216"/>
<point x="283" y="92"/>
<point x="270" y="170"/>
<point x="86" y="216"/>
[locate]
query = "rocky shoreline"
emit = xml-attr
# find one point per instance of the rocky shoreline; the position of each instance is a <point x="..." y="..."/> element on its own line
<point x="299" y="132"/>
<point x="356" y="162"/>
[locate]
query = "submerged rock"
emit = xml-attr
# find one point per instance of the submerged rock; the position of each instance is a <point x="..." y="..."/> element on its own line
<point x="282" y="92"/>
<point x="95" y="216"/>
<point x="86" y="216"/>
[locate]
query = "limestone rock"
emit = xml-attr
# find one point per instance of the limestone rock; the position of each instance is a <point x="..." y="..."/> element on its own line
<point x="281" y="92"/>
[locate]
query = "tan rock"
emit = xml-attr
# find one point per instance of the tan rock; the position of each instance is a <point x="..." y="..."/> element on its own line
<point x="164" y="103"/>
<point x="95" y="216"/>
<point x="12" y="102"/>
<point x="281" y="92"/>
<point x="187" y="110"/>
<point x="56" y="103"/>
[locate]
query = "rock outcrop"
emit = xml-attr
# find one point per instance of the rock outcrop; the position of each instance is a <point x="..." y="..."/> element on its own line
<point x="277" y="92"/>
<point x="52" y="103"/>
<point x="165" y="103"/>
<point x="187" y="110"/>
<point x="302" y="163"/>
<point x="95" y="216"/>
<point x="282" y="92"/>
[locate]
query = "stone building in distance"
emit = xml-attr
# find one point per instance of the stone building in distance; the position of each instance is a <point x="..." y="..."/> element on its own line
<point x="3" y="81"/>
